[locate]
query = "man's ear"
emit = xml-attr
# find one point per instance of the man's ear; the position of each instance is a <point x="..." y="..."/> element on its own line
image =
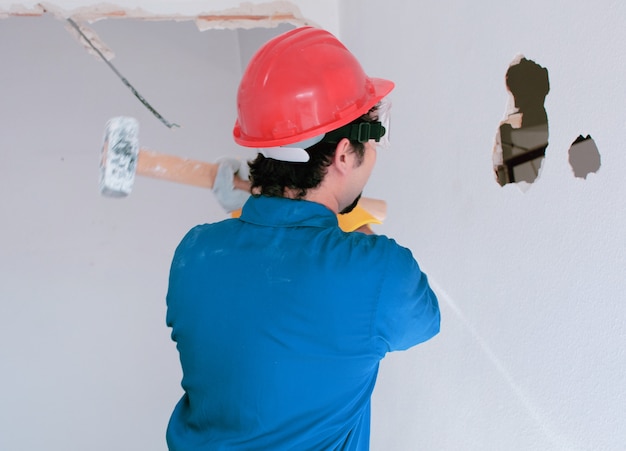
<point x="344" y="156"/>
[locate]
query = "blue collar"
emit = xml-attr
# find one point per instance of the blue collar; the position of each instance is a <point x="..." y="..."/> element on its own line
<point x="283" y="212"/>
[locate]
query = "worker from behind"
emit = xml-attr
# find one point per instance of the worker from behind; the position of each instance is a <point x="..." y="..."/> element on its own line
<point x="280" y="316"/>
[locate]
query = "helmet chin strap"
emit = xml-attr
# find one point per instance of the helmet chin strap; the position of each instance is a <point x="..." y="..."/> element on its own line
<point x="293" y="153"/>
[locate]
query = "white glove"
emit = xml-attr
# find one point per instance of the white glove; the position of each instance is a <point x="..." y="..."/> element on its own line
<point x="224" y="189"/>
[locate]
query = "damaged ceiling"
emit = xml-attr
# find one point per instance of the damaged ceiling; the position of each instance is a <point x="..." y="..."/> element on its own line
<point x="78" y="15"/>
<point x="246" y="15"/>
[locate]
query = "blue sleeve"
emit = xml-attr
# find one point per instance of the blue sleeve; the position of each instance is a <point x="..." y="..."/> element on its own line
<point x="408" y="311"/>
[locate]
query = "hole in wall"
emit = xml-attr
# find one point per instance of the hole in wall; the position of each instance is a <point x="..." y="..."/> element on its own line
<point x="584" y="157"/>
<point x="522" y="137"/>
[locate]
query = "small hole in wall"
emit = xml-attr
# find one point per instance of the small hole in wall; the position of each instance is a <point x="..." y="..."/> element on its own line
<point x="584" y="157"/>
<point x="522" y="137"/>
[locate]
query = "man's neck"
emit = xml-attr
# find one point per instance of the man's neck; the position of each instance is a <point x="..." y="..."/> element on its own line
<point x="317" y="195"/>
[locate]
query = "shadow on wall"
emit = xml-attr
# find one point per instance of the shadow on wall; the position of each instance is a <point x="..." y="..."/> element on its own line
<point x="522" y="137"/>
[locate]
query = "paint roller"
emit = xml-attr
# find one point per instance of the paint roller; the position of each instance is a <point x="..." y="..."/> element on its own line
<point x="122" y="159"/>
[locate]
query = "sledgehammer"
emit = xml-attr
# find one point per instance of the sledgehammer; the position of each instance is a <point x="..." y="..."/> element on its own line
<point x="122" y="159"/>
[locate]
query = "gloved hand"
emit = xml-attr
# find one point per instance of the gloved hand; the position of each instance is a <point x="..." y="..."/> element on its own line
<point x="229" y="197"/>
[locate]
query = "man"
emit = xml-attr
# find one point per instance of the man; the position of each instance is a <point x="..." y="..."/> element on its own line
<point x="280" y="317"/>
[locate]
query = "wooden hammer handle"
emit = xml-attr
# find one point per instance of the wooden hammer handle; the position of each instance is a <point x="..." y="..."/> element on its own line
<point x="176" y="169"/>
<point x="202" y="174"/>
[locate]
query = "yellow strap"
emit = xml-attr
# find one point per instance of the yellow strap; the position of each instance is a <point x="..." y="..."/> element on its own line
<point x="355" y="219"/>
<point x="348" y="222"/>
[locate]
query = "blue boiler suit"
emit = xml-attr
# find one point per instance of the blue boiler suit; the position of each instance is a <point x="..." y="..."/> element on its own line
<point x="280" y="319"/>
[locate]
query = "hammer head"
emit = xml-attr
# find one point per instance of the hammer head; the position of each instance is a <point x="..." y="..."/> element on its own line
<point x="119" y="156"/>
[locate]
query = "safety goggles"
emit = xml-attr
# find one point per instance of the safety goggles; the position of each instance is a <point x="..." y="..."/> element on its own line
<point x="384" y="116"/>
<point x="378" y="129"/>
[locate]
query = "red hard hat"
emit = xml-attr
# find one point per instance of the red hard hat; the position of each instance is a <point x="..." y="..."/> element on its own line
<point x="300" y="85"/>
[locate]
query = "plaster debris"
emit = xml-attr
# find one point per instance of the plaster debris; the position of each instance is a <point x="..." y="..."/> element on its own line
<point x="22" y="11"/>
<point x="246" y="15"/>
<point x="522" y="137"/>
<point x="249" y="15"/>
<point x="94" y="43"/>
<point x="584" y="157"/>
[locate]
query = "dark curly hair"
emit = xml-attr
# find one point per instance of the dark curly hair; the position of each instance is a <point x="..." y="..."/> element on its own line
<point x="271" y="177"/>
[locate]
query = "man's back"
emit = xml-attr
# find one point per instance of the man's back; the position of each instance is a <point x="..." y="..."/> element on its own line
<point x="281" y="320"/>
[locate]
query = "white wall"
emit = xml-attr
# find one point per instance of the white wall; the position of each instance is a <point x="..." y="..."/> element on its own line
<point x="531" y="353"/>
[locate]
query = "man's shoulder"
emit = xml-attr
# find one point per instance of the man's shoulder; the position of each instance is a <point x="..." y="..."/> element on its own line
<point x="209" y="231"/>
<point x="374" y="241"/>
<point x="369" y="248"/>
